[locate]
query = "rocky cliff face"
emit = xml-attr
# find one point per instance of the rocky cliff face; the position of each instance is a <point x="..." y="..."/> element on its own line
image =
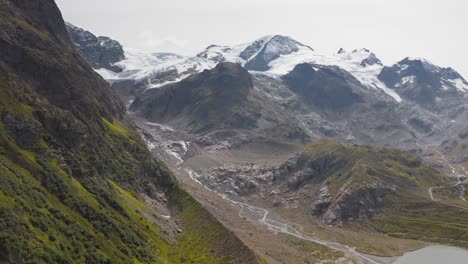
<point x="100" y="52"/>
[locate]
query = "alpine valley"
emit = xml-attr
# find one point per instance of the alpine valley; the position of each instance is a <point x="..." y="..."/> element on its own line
<point x="336" y="158"/>
<point x="263" y="152"/>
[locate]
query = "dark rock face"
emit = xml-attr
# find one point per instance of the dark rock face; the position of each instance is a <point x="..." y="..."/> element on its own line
<point x="371" y="60"/>
<point x="341" y="51"/>
<point x="251" y="50"/>
<point x="323" y="201"/>
<point x="326" y="87"/>
<point x="273" y="49"/>
<point x="352" y="205"/>
<point x="204" y="100"/>
<point x="419" y="81"/>
<point x="100" y="52"/>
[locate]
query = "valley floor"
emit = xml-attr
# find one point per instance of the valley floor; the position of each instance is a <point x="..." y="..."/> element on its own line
<point x="284" y="235"/>
<point x="281" y="235"/>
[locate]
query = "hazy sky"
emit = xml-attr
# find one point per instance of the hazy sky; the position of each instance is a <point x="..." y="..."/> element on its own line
<point x="393" y="29"/>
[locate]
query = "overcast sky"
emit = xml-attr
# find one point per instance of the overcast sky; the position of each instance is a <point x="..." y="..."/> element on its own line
<point x="393" y="29"/>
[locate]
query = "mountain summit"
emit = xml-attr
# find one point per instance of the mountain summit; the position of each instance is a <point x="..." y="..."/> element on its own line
<point x="421" y="81"/>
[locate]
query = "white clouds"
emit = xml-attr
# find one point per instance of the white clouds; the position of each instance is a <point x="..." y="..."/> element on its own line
<point x="149" y="41"/>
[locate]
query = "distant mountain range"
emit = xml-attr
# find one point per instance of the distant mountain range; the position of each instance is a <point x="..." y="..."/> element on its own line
<point x="347" y="96"/>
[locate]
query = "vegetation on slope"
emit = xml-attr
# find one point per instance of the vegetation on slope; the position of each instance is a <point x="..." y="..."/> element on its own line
<point x="71" y="166"/>
<point x="406" y="210"/>
<point x="365" y="164"/>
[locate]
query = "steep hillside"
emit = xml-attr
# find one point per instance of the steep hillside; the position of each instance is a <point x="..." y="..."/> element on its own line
<point x="77" y="185"/>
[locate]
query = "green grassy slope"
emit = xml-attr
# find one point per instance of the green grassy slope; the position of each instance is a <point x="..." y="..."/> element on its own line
<point x="407" y="211"/>
<point x="370" y="164"/>
<point x="71" y="166"/>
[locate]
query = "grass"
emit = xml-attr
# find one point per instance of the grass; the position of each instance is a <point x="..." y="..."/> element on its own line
<point x="19" y="21"/>
<point x="318" y="252"/>
<point x="371" y="164"/>
<point x="425" y="220"/>
<point x="200" y="232"/>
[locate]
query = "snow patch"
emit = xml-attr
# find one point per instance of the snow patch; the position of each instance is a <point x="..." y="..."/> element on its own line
<point x="404" y="67"/>
<point x="161" y="126"/>
<point x="460" y="84"/>
<point x="408" y="79"/>
<point x="350" y="62"/>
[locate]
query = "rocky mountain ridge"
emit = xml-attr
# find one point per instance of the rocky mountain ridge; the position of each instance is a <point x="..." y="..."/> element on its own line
<point x="100" y="52"/>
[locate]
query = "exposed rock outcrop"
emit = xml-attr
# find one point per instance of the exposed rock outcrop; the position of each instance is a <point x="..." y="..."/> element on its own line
<point x="100" y="52"/>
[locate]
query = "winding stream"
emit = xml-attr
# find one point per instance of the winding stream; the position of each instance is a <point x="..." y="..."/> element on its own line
<point x="262" y="216"/>
<point x="275" y="224"/>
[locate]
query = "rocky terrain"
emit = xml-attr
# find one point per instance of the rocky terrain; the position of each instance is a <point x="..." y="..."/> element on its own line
<point x="334" y="182"/>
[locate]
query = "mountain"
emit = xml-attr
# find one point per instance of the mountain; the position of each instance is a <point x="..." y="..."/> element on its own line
<point x="405" y="105"/>
<point x="326" y="87"/>
<point x="206" y="99"/>
<point x="274" y="48"/>
<point x="216" y="100"/>
<point x="340" y="96"/>
<point x="77" y="183"/>
<point x="257" y="55"/>
<point x="100" y="52"/>
<point x="424" y="83"/>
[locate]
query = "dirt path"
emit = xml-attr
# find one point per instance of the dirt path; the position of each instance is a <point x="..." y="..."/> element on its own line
<point x="461" y="180"/>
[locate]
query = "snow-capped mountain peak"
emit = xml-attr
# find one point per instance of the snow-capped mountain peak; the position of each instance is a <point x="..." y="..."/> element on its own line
<point x="255" y="55"/>
<point x="274" y="56"/>
<point x="423" y="82"/>
<point x="276" y="47"/>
